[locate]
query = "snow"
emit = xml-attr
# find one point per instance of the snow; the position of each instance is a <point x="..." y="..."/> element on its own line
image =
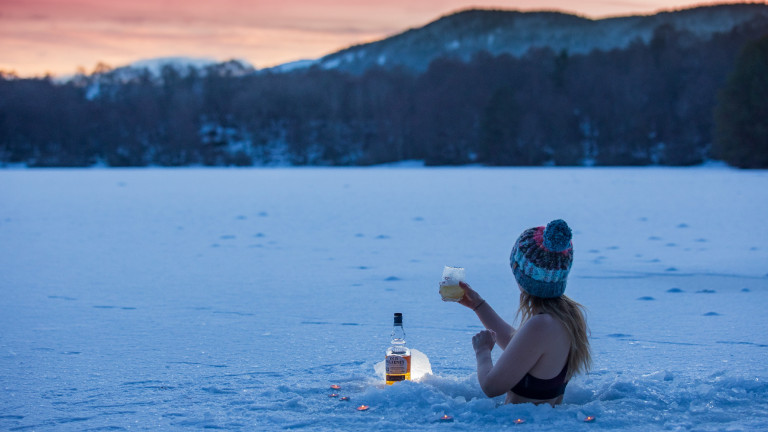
<point x="294" y="66"/>
<point x="173" y="299"/>
<point x="156" y="65"/>
<point x="332" y="64"/>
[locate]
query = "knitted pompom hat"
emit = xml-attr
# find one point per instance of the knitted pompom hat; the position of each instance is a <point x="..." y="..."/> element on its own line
<point x="541" y="259"/>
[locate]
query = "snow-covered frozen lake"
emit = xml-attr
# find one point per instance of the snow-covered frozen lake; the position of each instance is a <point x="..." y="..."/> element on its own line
<point x="173" y="299"/>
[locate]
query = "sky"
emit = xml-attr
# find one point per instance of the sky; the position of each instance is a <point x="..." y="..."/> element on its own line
<point x="60" y="37"/>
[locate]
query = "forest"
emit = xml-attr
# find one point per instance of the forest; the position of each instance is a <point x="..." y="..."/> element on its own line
<point x="675" y="100"/>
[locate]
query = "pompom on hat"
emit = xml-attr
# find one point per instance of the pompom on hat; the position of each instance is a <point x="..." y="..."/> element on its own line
<point x="542" y="258"/>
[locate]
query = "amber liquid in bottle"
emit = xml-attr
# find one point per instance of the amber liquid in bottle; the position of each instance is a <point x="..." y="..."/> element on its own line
<point x="398" y="357"/>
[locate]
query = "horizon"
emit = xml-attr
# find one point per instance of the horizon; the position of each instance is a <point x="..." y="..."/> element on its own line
<point x="58" y="38"/>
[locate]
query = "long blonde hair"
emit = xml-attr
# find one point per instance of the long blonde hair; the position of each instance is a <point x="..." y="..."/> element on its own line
<point x="572" y="315"/>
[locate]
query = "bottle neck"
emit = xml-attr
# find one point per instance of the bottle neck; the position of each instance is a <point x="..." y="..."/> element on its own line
<point x="398" y="335"/>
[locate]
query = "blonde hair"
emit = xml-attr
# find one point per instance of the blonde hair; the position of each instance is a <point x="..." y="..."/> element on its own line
<point x="572" y="315"/>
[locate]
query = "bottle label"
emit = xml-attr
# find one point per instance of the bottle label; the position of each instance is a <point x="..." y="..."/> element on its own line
<point x="396" y="365"/>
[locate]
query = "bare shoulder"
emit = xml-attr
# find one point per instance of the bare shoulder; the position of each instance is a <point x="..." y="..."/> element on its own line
<point x="542" y="324"/>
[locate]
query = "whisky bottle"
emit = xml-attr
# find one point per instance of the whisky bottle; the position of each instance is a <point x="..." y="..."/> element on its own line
<point x="398" y="359"/>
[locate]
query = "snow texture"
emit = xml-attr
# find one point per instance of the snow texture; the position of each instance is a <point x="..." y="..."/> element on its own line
<point x="183" y="299"/>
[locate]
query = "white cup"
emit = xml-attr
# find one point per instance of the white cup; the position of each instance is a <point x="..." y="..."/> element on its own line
<point x="450" y="289"/>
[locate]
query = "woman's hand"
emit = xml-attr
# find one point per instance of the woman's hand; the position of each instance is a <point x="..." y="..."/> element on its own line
<point x="471" y="298"/>
<point x="484" y="340"/>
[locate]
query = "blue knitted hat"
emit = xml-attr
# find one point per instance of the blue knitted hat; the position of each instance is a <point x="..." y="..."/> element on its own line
<point x="541" y="259"/>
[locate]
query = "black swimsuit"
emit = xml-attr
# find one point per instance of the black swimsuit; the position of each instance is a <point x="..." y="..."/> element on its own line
<point x="536" y="388"/>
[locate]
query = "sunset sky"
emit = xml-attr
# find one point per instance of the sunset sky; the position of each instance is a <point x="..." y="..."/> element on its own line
<point x="58" y="36"/>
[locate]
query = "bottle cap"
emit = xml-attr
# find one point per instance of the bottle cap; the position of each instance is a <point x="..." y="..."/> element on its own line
<point x="398" y="318"/>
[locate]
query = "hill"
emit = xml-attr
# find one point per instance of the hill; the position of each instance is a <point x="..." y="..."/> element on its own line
<point x="465" y="33"/>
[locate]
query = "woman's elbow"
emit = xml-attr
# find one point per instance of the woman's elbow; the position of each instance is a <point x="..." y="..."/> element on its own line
<point x="491" y="389"/>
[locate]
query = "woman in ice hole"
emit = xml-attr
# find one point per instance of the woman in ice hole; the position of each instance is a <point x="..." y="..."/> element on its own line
<point x="552" y="343"/>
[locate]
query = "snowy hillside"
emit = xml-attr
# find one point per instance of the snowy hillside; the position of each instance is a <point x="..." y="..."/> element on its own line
<point x="156" y="65"/>
<point x="465" y="33"/>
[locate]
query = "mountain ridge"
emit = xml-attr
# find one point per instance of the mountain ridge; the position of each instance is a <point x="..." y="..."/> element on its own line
<point x="464" y="33"/>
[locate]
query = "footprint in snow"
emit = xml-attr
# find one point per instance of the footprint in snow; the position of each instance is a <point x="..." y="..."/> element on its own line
<point x="218" y="391"/>
<point x="655" y="238"/>
<point x="392" y="279"/>
<point x="671" y="269"/>
<point x="683" y="225"/>
<point x="646" y="298"/>
<point x="706" y="291"/>
<point x="382" y="236"/>
<point x="58" y="297"/>
<point x="674" y="290"/>
<point x="745" y="290"/>
<point x="711" y="314"/>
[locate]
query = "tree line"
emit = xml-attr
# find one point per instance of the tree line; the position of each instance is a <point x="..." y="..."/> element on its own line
<point x="675" y="100"/>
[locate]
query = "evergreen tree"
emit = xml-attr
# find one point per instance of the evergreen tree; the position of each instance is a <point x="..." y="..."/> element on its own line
<point x="499" y="129"/>
<point x="741" y="116"/>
